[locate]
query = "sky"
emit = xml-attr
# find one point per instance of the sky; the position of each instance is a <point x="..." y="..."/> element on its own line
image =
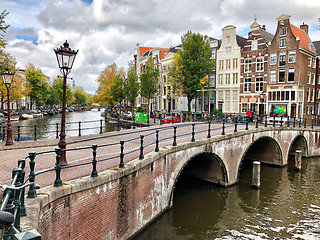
<point x="107" y="31"/>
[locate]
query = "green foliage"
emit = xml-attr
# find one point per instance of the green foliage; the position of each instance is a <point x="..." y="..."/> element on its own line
<point x="132" y="85"/>
<point x="3" y="29"/>
<point x="149" y="81"/>
<point x="192" y="65"/>
<point x="118" y="88"/>
<point x="216" y="112"/>
<point x="37" y="84"/>
<point x="80" y="96"/>
<point x="140" y="110"/>
<point x="57" y="86"/>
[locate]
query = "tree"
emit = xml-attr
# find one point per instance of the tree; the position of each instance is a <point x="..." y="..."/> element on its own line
<point x="37" y="84"/>
<point x="149" y="81"/>
<point x="192" y="66"/>
<point x="3" y="29"/>
<point x="106" y="78"/>
<point x="132" y="85"/>
<point x="58" y="91"/>
<point x="118" y="88"/>
<point x="81" y="97"/>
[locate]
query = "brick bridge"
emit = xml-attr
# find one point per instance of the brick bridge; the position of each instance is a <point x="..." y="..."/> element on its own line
<point x="120" y="202"/>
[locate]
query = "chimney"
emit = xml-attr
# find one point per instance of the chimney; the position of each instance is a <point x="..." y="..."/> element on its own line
<point x="264" y="27"/>
<point x="305" y="27"/>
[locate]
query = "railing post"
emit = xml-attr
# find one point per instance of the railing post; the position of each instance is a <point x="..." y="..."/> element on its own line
<point x="312" y="123"/>
<point x="157" y="141"/>
<point x="305" y="122"/>
<point x="118" y="125"/>
<point x="58" y="181"/>
<point x="141" y="147"/>
<point x="247" y="123"/>
<point x="101" y="126"/>
<point x="32" y="193"/>
<point x="266" y="121"/>
<point x="223" y="123"/>
<point x="294" y="121"/>
<point x="209" y="129"/>
<point x="79" y="129"/>
<point x="148" y="120"/>
<point x="299" y="122"/>
<point x="3" y="133"/>
<point x="193" y="114"/>
<point x="134" y="122"/>
<point x="235" y="125"/>
<point x="16" y="202"/>
<point x="192" y="134"/>
<point x="121" y="165"/>
<point x="281" y="121"/>
<point x="57" y="130"/>
<point x="174" y="136"/>
<point x="160" y="119"/>
<point x="18" y="133"/>
<point x="35" y="132"/>
<point x="94" y="172"/>
<point x="22" y="164"/>
<point x="274" y="121"/>
<point x="288" y="121"/>
<point x="257" y="121"/>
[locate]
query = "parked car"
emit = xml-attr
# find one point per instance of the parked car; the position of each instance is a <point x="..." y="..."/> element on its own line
<point x="170" y="119"/>
<point x="127" y="116"/>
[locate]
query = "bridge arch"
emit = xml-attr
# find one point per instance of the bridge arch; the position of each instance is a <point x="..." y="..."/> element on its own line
<point x="298" y="143"/>
<point x="204" y="165"/>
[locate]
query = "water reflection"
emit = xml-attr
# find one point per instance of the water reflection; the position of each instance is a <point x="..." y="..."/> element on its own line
<point x="286" y="206"/>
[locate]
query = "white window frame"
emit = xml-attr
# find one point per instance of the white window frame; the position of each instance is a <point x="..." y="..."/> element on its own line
<point x="254" y="44"/>
<point x="282" y="56"/>
<point x="290" y="71"/>
<point x="248" y="65"/>
<point x="273" y="76"/>
<point x="260" y="64"/>
<point x="273" y="58"/>
<point x="283" y="31"/>
<point x="283" y="43"/>
<point x="259" y="84"/>
<point x="292" y="57"/>
<point x="247" y="85"/>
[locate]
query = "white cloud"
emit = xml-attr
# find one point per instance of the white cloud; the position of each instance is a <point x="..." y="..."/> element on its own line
<point x="107" y="31"/>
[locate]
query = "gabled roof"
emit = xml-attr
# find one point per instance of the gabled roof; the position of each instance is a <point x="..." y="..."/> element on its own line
<point x="305" y="41"/>
<point x="241" y="41"/>
<point x="267" y="37"/>
<point x="143" y="50"/>
<point x="316" y="44"/>
<point x="147" y="51"/>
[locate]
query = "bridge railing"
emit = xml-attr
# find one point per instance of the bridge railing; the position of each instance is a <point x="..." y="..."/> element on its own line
<point x="112" y="155"/>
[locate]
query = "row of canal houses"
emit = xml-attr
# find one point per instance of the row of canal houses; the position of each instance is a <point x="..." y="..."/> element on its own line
<point x="277" y="75"/>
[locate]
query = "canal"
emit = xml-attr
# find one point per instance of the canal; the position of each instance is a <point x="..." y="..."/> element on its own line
<point x="46" y="126"/>
<point x="287" y="206"/>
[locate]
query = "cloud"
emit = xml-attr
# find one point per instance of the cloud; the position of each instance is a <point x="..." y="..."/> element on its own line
<point x="107" y="31"/>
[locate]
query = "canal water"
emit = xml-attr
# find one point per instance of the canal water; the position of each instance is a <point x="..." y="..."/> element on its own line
<point x="46" y="126"/>
<point x="287" y="206"/>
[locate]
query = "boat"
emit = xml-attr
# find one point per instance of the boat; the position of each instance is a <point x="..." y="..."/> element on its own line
<point x="25" y="116"/>
<point x="113" y="122"/>
<point x="14" y="118"/>
<point x="36" y="115"/>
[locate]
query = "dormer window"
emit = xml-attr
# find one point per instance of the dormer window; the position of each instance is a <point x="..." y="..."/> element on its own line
<point x="283" y="31"/>
<point x="283" y="42"/>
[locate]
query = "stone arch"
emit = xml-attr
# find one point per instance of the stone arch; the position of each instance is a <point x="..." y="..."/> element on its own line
<point x="264" y="149"/>
<point x="298" y="143"/>
<point x="210" y="163"/>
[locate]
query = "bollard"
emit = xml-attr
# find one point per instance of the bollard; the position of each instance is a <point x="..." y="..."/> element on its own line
<point x="160" y="118"/>
<point x="134" y="122"/>
<point x="209" y="129"/>
<point x="256" y="174"/>
<point x="32" y="193"/>
<point x="300" y="123"/>
<point x="281" y="121"/>
<point x="141" y="147"/>
<point x="305" y="122"/>
<point x="148" y="120"/>
<point x="121" y="165"/>
<point x="266" y="121"/>
<point x="35" y="132"/>
<point x="57" y="130"/>
<point x="235" y="126"/>
<point x="58" y="181"/>
<point x="193" y="115"/>
<point x="223" y="122"/>
<point x="174" y="136"/>
<point x="192" y="138"/>
<point x="94" y="172"/>
<point x="247" y="123"/>
<point x="101" y="126"/>
<point x="18" y="133"/>
<point x="257" y="121"/>
<point x="79" y="129"/>
<point x="274" y="121"/>
<point x="157" y="141"/>
<point x="288" y="121"/>
<point x="3" y="133"/>
<point x="294" y="121"/>
<point x="297" y="160"/>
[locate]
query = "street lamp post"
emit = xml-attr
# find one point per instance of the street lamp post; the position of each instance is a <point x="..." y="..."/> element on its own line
<point x="65" y="57"/>
<point x="7" y="77"/>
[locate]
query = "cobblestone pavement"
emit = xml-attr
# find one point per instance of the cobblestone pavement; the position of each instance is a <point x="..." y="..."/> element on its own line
<point x="108" y="147"/>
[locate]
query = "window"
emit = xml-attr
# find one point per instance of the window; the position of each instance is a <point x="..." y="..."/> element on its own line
<point x="228" y="63"/>
<point x="248" y="65"/>
<point x="313" y="62"/>
<point x="309" y="62"/>
<point x="228" y="49"/>
<point x="259" y="84"/>
<point x="293" y="95"/>
<point x="309" y="78"/>
<point x="213" y="56"/>
<point x="164" y="68"/>
<point x="254" y="44"/>
<point x="292" y="57"/>
<point x="247" y="85"/>
<point x="235" y="78"/>
<point x="228" y="78"/>
<point x="283" y="31"/>
<point x="312" y="95"/>
<point x="220" y="79"/>
<point x="319" y="79"/>
<point x="308" y="94"/>
<point x="282" y="59"/>
<point x="282" y="75"/>
<point x="244" y="107"/>
<point x="307" y="109"/>
<point x="291" y="75"/>
<point x="220" y="64"/>
<point x="283" y="42"/>
<point x="260" y="64"/>
<point x="318" y="94"/>
<point x="313" y="79"/>
<point x="164" y="91"/>
<point x="164" y="78"/>
<point x="272" y="76"/>
<point x="273" y="58"/>
<point x="235" y="63"/>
